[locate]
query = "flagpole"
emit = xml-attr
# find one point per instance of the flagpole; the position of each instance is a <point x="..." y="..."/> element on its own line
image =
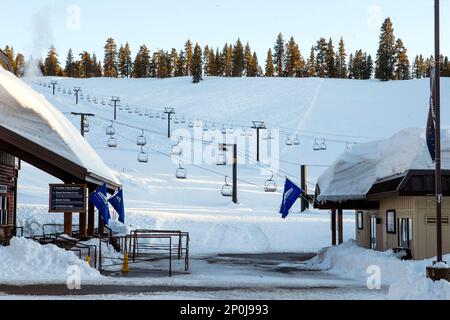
<point x="437" y="102"/>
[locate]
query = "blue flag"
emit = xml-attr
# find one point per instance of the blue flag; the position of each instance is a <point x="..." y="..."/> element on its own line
<point x="431" y="123"/>
<point x="118" y="204"/>
<point x="100" y="200"/>
<point x="291" y="193"/>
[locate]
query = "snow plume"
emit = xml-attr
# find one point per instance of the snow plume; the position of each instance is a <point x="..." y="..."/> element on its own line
<point x="42" y="39"/>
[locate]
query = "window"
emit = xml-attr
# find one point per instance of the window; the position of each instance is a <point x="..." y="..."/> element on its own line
<point x="360" y="220"/>
<point x="390" y="222"/>
<point x="404" y="232"/>
<point x="3" y="210"/>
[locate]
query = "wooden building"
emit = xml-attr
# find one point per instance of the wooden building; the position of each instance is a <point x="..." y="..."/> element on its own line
<point x="34" y="131"/>
<point x="396" y="211"/>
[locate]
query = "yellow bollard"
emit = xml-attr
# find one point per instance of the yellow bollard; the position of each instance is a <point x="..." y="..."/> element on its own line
<point x="88" y="260"/>
<point x="125" y="268"/>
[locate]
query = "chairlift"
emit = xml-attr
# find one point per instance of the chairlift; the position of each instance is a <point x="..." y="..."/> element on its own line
<point x="297" y="140"/>
<point x="110" y="131"/>
<point x="289" y="141"/>
<point x="158" y="115"/>
<point x="143" y="156"/>
<point x="130" y="111"/>
<point x="112" y="142"/>
<point x="141" y="140"/>
<point x="243" y="132"/>
<point x="181" y="172"/>
<point x="198" y="123"/>
<point x="147" y="113"/>
<point x="224" y="130"/>
<point x="141" y="114"/>
<point x="136" y="110"/>
<point x="316" y="146"/>
<point x="95" y="100"/>
<point x="227" y="189"/>
<point x="206" y="127"/>
<point x="176" y="149"/>
<point x="151" y="115"/>
<point x="58" y="89"/>
<point x="86" y="126"/>
<point x="213" y="127"/>
<point x="176" y="121"/>
<point x="103" y="102"/>
<point x="323" y="145"/>
<point x="270" y="185"/>
<point x="265" y="136"/>
<point x="120" y="106"/>
<point x="69" y="92"/>
<point x="64" y="91"/>
<point x="191" y="124"/>
<point x="88" y="98"/>
<point x="183" y="120"/>
<point x="163" y="116"/>
<point x="221" y="159"/>
<point x="231" y="130"/>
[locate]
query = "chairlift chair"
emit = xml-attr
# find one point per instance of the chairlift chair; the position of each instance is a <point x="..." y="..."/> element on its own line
<point x="143" y="156"/>
<point x="158" y="115"/>
<point x="198" y="123"/>
<point x="151" y="115"/>
<point x="221" y="159"/>
<point x="181" y="172"/>
<point x="297" y="140"/>
<point x="316" y="146"/>
<point x="69" y="92"/>
<point x="224" y="130"/>
<point x="141" y="140"/>
<point x="147" y="113"/>
<point x="176" y="121"/>
<point x="88" y="98"/>
<point x="183" y="120"/>
<point x="206" y="127"/>
<point x="112" y="142"/>
<point x="163" y="116"/>
<point x="289" y="141"/>
<point x="110" y="131"/>
<point x="243" y="132"/>
<point x="213" y="127"/>
<point x="323" y="146"/>
<point x="191" y="124"/>
<point x="270" y="185"/>
<point x="230" y="130"/>
<point x="176" y="149"/>
<point x="227" y="189"/>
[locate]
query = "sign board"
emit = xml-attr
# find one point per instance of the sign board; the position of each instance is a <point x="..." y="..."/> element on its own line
<point x="67" y="198"/>
<point x="3" y="189"/>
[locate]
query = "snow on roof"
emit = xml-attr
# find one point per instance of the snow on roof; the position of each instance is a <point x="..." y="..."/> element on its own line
<point x="30" y="115"/>
<point x="355" y="172"/>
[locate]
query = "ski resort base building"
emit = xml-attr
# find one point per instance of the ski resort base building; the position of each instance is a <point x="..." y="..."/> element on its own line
<point x="390" y="185"/>
<point x="34" y="131"/>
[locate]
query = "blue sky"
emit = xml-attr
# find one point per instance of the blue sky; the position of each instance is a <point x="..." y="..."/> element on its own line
<point x="32" y="25"/>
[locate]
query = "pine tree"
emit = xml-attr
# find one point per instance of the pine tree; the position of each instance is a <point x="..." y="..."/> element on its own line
<point x="350" y="67"/>
<point x="369" y="67"/>
<point x="331" y="62"/>
<point x="51" y="64"/>
<point x="181" y="65"/>
<point x="212" y="64"/>
<point x="294" y="63"/>
<point x="20" y="65"/>
<point x="9" y="51"/>
<point x="270" y="68"/>
<point x="402" y="65"/>
<point x="110" y="66"/>
<point x="141" y="64"/>
<point x="206" y="61"/>
<point x="385" y="62"/>
<point x="125" y="61"/>
<point x="70" y="69"/>
<point x="321" y="58"/>
<point x="238" y="59"/>
<point x="312" y="64"/>
<point x="197" y="64"/>
<point x="220" y="67"/>
<point x="99" y="70"/>
<point x="86" y="68"/>
<point x="227" y="57"/>
<point x="173" y="62"/>
<point x="278" y="55"/>
<point x="359" y="65"/>
<point x="188" y="51"/>
<point x="253" y="66"/>
<point x="248" y="57"/>
<point x="341" y="61"/>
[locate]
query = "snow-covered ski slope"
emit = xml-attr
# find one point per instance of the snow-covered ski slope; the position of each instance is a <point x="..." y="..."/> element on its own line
<point x="340" y="112"/>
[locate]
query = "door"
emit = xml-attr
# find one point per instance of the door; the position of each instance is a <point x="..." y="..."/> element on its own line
<point x="373" y="232"/>
<point x="405" y="233"/>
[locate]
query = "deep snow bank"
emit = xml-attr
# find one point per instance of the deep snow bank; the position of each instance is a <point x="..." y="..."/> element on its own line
<point x="405" y="279"/>
<point x="26" y="261"/>
<point x="354" y="173"/>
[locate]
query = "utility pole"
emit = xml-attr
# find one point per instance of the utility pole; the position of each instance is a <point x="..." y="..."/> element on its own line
<point x="115" y="100"/>
<point x="303" y="184"/>
<point x="77" y="91"/>
<point x="83" y="116"/>
<point x="258" y="125"/>
<point x="169" y="112"/>
<point x="437" y="104"/>
<point x="224" y="148"/>
<point x="54" y="83"/>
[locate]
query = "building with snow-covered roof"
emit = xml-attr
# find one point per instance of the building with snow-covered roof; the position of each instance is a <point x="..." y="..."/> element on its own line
<point x="33" y="130"/>
<point x="391" y="186"/>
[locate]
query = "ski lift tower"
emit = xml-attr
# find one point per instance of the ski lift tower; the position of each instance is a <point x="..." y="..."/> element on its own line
<point x="54" y="83"/>
<point x="258" y="125"/>
<point x="84" y="117"/>
<point x="115" y="100"/>
<point x="169" y="112"/>
<point x="224" y="148"/>
<point x="77" y="92"/>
